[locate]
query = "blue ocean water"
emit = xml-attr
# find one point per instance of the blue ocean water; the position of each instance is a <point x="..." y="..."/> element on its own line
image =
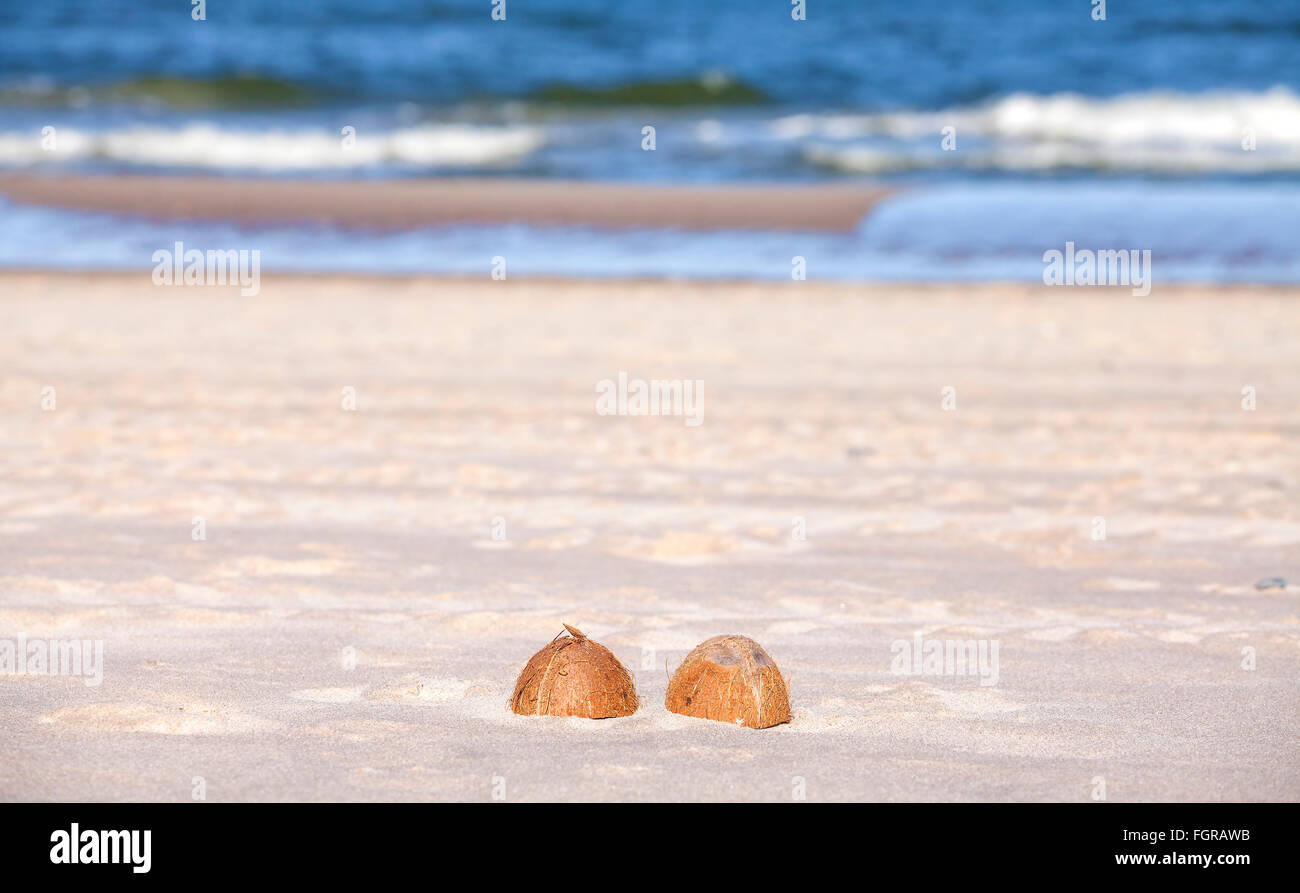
<point x="921" y="54"/>
<point x="1010" y="124"/>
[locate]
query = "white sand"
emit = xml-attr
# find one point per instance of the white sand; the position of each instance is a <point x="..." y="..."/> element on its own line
<point x="329" y="529"/>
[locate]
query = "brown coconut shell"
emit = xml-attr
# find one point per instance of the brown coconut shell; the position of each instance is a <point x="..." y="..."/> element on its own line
<point x="730" y="679"/>
<point x="574" y="676"/>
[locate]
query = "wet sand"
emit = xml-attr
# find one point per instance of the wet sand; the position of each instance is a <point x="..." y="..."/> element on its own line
<point x="398" y="204"/>
<point x="372" y="580"/>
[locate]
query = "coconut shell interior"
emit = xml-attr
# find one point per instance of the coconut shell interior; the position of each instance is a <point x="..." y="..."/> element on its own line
<point x="574" y="676"/>
<point x="730" y="679"/>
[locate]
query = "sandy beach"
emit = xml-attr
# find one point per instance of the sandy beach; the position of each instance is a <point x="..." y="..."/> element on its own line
<point x="371" y="580"/>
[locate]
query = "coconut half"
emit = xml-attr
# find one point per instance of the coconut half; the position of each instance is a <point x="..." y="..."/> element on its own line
<point x="730" y="679"/>
<point x="574" y="676"/>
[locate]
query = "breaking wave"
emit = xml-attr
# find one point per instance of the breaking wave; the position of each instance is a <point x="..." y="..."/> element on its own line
<point x="1236" y="132"/>
<point x="212" y="147"/>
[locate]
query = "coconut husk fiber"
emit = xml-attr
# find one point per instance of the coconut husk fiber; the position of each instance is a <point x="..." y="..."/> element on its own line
<point x="574" y="676"/>
<point x="730" y="679"/>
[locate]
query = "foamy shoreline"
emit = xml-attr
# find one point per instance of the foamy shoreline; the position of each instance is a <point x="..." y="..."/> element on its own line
<point x="333" y="534"/>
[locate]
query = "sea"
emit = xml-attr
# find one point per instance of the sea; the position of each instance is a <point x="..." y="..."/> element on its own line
<point x="1007" y="127"/>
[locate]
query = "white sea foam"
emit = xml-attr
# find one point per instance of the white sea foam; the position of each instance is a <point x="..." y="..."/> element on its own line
<point x="202" y="145"/>
<point x="1154" y="131"/>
